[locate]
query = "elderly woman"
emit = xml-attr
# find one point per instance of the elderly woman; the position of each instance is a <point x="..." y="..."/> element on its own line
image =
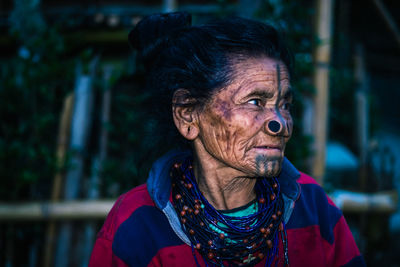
<point x="232" y="199"/>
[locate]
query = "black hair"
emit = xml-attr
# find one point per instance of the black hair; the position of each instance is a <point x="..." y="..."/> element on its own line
<point x="200" y="59"/>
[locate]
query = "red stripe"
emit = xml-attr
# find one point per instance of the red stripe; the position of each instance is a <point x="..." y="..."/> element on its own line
<point x="125" y="205"/>
<point x="102" y="255"/>
<point x="306" y="179"/>
<point x="344" y="249"/>
<point x="305" y="247"/>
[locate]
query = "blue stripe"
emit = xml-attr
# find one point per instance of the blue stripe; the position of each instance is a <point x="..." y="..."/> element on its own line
<point x="142" y="235"/>
<point x="356" y="262"/>
<point x="312" y="208"/>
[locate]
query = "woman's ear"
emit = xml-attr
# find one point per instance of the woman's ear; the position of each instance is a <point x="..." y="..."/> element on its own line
<point x="184" y="113"/>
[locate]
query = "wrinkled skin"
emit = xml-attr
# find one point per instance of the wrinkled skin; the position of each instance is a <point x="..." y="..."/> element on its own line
<point x="232" y="141"/>
<point x="233" y="124"/>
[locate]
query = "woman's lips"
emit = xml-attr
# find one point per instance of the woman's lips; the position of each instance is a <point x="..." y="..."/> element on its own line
<point x="269" y="148"/>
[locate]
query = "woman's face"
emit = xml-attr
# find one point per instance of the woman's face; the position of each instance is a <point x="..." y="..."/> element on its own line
<point x="235" y="128"/>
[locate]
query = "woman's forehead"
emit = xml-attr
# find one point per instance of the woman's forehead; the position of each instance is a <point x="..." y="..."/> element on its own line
<point x="264" y="74"/>
<point x="263" y="65"/>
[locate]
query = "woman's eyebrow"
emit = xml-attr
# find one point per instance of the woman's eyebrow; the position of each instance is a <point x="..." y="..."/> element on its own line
<point x="261" y="93"/>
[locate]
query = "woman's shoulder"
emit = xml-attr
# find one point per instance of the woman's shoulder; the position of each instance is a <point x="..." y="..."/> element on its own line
<point x="137" y="196"/>
<point x="306" y="179"/>
<point x="124" y="207"/>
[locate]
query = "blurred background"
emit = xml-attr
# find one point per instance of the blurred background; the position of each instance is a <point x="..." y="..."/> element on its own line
<point x="75" y="131"/>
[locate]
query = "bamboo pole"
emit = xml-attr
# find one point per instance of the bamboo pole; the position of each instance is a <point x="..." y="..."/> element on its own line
<point x="355" y="202"/>
<point x="362" y="113"/>
<point x="321" y="82"/>
<point x="62" y="145"/>
<point x="80" y="128"/>
<point x="391" y="23"/>
<point x="60" y="211"/>
<point x="98" y="162"/>
<point x="347" y="201"/>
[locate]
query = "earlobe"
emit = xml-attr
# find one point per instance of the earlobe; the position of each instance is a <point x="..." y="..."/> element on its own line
<point x="184" y="114"/>
<point x="191" y="132"/>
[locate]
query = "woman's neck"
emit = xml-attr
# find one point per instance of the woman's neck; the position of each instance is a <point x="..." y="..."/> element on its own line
<point x="224" y="188"/>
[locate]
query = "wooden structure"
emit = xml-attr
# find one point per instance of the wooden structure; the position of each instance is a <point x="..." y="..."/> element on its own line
<point x="352" y="202"/>
<point x="322" y="55"/>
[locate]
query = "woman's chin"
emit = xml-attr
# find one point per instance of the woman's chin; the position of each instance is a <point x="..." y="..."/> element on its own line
<point x="268" y="167"/>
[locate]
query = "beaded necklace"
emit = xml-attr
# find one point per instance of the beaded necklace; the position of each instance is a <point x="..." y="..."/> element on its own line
<point x="224" y="240"/>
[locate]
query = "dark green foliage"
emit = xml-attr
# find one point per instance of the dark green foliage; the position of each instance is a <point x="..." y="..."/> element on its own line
<point x="32" y="89"/>
<point x="29" y="114"/>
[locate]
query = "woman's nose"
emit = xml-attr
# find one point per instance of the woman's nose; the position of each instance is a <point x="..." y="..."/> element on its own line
<point x="276" y="126"/>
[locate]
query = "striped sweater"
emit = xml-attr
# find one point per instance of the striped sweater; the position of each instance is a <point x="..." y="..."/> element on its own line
<point x="143" y="229"/>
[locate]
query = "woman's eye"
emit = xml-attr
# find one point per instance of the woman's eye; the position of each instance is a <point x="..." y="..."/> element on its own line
<point x="256" y="102"/>
<point x="286" y="106"/>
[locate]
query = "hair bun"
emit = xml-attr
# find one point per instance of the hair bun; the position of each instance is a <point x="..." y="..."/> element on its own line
<point x="151" y="30"/>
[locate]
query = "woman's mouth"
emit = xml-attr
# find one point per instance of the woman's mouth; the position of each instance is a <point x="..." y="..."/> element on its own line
<point x="269" y="147"/>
